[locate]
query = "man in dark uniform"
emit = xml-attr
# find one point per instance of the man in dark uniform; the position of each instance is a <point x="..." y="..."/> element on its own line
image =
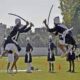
<point x="71" y="58"/>
<point x="28" y="56"/>
<point x="51" y="57"/>
<point x="14" y="34"/>
<point x="61" y="30"/>
<point x="11" y="41"/>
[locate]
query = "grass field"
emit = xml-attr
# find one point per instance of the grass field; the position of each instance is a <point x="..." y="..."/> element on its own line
<point x="41" y="63"/>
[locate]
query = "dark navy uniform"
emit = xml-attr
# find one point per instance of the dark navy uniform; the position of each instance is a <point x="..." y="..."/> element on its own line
<point x="14" y="34"/>
<point x="59" y="29"/>
<point x="51" y="47"/>
<point x="65" y="34"/>
<point x="71" y="58"/>
<point x="51" y="56"/>
<point x="28" y="56"/>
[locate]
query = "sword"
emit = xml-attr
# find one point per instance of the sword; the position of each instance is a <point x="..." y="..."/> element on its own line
<point x="17" y="16"/>
<point x="50" y="14"/>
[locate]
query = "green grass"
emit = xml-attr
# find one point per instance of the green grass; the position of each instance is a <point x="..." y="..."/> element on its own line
<point x="42" y="64"/>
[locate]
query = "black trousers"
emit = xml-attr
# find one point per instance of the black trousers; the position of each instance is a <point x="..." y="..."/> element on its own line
<point x="71" y="66"/>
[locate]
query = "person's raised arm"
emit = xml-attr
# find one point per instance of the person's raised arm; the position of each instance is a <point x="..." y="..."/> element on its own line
<point x="26" y="29"/>
<point x="48" y="29"/>
<point x="45" y="22"/>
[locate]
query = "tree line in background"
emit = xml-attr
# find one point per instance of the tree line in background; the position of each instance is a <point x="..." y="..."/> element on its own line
<point x="71" y="15"/>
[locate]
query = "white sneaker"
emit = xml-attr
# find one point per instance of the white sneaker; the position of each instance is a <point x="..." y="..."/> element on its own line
<point x="29" y="71"/>
<point x="10" y="71"/>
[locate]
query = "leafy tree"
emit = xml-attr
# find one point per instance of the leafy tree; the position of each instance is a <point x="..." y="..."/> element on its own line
<point x="71" y="13"/>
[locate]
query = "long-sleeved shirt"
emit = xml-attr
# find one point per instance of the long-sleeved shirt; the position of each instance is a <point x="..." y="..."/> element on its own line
<point x="29" y="47"/>
<point x="14" y="34"/>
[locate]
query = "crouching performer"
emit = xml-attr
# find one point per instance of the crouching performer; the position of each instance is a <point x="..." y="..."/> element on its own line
<point x="11" y="45"/>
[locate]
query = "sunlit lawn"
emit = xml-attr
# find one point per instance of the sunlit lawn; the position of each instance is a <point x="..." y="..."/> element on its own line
<point x="42" y="64"/>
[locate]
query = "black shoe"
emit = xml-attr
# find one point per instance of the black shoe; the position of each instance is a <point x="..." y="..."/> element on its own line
<point x="52" y="72"/>
<point x="69" y="71"/>
<point x="49" y="70"/>
<point x="72" y="71"/>
<point x="32" y="68"/>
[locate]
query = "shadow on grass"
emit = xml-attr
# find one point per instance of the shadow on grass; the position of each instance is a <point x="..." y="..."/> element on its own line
<point x="73" y="72"/>
<point x="52" y="72"/>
